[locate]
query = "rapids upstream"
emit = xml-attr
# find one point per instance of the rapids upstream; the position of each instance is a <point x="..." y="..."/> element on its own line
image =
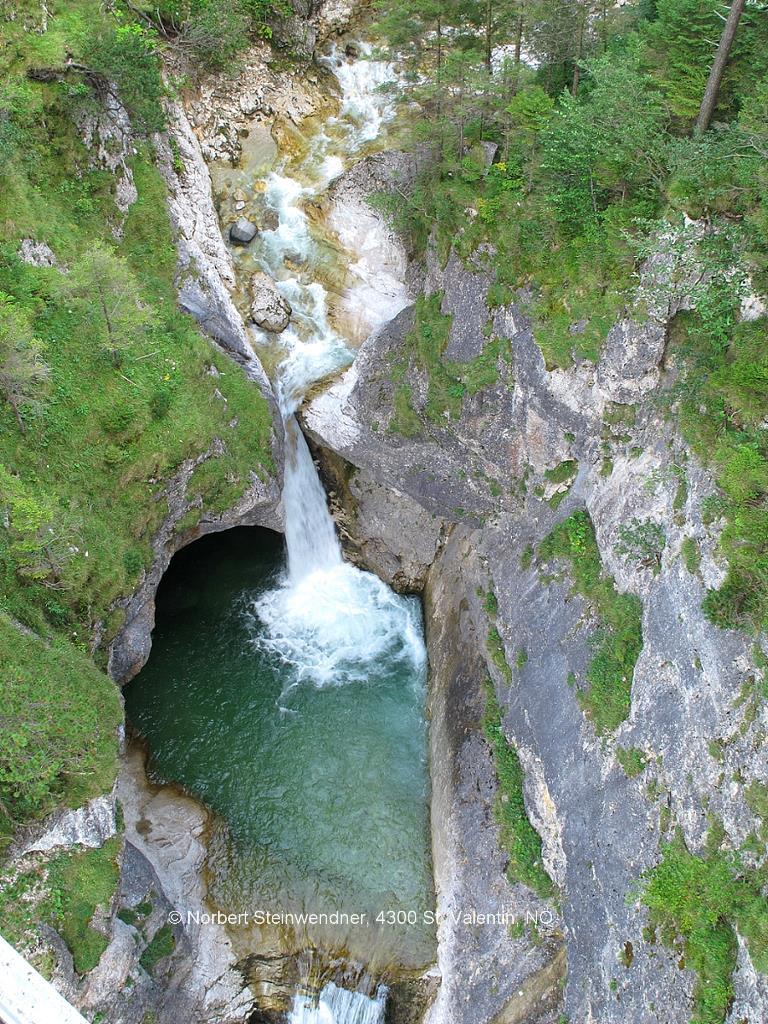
<point x="286" y="689"/>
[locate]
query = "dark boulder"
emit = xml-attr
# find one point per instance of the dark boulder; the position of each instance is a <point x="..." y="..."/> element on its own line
<point x="242" y="231"/>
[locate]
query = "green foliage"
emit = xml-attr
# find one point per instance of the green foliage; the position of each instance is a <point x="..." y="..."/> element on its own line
<point x="109" y="394"/>
<point x="642" y="541"/>
<point x="215" y="33"/>
<point x="701" y="899"/>
<point x="104" y="283"/>
<point x="632" y="760"/>
<point x="163" y="944"/>
<point x="618" y="639"/>
<point x="64" y="892"/>
<point x="561" y="473"/>
<point x="58" y="727"/>
<point x="127" y="55"/>
<point x="495" y="646"/>
<point x="683" y="39"/>
<point x="520" y="840"/>
<point x="23" y="372"/>
<point x="80" y="883"/>
<point x="691" y="553"/>
<point x="723" y="408"/>
<point x="212" y="33"/>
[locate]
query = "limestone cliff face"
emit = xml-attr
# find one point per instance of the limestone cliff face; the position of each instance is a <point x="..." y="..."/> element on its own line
<point x="524" y="453"/>
<point x="205" y="280"/>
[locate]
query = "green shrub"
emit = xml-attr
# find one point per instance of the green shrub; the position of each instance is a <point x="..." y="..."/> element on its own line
<point x="702" y="899"/>
<point x="632" y="760"/>
<point x="618" y="640"/>
<point x="519" y="838"/>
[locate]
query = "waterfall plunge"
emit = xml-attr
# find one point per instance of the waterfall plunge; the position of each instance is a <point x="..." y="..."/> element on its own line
<point x="310" y="536"/>
<point x="328" y="621"/>
<point x="335" y="1005"/>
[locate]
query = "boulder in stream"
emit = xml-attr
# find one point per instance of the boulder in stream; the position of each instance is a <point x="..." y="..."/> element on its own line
<point x="269" y="310"/>
<point x="242" y="231"/>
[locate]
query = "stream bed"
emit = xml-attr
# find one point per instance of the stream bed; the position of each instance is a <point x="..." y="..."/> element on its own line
<point x="286" y="689"/>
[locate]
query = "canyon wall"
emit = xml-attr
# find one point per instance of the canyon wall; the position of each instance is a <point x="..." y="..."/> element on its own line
<point x="529" y="449"/>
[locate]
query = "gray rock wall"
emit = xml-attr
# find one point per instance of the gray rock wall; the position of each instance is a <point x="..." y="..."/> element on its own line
<point x="487" y="474"/>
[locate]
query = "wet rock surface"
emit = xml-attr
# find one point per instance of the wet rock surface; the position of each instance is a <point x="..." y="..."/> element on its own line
<point x="269" y="309"/>
<point x="242" y="231"/>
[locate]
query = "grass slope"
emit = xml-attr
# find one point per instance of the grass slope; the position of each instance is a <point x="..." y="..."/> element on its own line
<point x="83" y="475"/>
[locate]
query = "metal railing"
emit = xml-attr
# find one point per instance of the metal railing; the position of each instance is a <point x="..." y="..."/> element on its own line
<point x="26" y="997"/>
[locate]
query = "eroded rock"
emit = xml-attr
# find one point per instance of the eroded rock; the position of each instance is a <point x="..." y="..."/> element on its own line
<point x="269" y="309"/>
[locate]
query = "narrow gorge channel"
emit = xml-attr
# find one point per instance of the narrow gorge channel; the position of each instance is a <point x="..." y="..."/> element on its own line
<point x="286" y="688"/>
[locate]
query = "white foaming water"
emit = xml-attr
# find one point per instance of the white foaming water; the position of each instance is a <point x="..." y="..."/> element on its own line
<point x="335" y="1005"/>
<point x="363" y="101"/>
<point x="310" y="536"/>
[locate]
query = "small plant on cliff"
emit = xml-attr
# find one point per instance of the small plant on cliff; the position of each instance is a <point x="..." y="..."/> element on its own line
<point x="519" y="838"/>
<point x="163" y="944"/>
<point x="642" y="541"/>
<point x="632" y="760"/>
<point x="618" y="639"/>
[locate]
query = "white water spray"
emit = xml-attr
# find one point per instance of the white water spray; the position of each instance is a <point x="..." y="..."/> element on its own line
<point x="336" y="1004"/>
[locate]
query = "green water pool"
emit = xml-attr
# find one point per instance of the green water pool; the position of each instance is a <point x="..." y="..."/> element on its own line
<point x="320" y="787"/>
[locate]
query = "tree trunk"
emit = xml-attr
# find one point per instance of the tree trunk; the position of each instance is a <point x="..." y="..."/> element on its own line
<point x="709" y="100"/>
<point x="489" y="37"/>
<point x="518" y="53"/>
<point x="579" y="50"/>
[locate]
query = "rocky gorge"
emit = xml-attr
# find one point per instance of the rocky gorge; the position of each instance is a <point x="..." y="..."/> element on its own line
<point x="462" y="508"/>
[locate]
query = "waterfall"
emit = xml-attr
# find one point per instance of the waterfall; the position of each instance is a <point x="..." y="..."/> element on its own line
<point x="326" y="620"/>
<point x="337" y="1005"/>
<point x="310" y="535"/>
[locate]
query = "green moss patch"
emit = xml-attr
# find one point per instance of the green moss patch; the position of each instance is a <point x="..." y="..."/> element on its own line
<point x="618" y="640"/>
<point x="519" y="838"/>
<point x="447" y="381"/>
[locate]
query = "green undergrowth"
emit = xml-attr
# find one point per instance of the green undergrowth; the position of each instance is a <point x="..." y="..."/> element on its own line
<point x="519" y="838"/>
<point x="618" y="639"/>
<point x="696" y="902"/>
<point x="448" y="381"/>
<point x="723" y="410"/>
<point x="111" y="391"/>
<point x="65" y="893"/>
<point x="162" y="944"/>
<point x="58" y="727"/>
